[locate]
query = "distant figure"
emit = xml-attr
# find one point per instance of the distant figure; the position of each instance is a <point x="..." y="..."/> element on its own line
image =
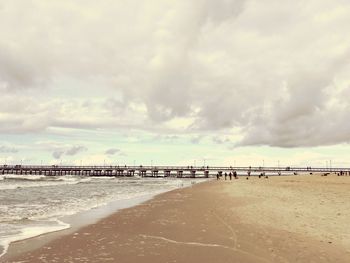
<point x="248" y="173"/>
<point x="235" y="175"/>
<point x="261" y="174"/>
<point x="230" y="175"/>
<point x="217" y="176"/>
<point x="225" y="176"/>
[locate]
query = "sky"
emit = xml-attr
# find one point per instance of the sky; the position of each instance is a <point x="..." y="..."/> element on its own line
<point x="175" y="82"/>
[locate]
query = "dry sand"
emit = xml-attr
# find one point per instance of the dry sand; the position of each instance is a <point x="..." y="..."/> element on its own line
<point x="316" y="206"/>
<point x="280" y="219"/>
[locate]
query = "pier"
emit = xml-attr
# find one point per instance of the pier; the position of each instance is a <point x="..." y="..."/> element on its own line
<point x="158" y="171"/>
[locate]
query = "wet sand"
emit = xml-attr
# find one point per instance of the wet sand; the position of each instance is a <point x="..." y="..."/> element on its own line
<point x="280" y="219"/>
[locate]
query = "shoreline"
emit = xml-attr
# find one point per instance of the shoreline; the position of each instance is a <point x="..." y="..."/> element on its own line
<point x="74" y="222"/>
<point x="205" y="223"/>
<point x="80" y="219"/>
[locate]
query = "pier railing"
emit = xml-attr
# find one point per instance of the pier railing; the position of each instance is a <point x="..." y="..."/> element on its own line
<point x="159" y="170"/>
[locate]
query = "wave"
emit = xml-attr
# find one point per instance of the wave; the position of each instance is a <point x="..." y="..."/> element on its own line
<point x="28" y="218"/>
<point x="18" y="177"/>
<point x="30" y="231"/>
<point x="11" y="182"/>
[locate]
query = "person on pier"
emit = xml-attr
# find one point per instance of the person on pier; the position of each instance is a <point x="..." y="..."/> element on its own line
<point x="235" y="175"/>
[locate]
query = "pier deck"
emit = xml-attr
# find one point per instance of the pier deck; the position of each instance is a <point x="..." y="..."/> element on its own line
<point x="157" y="171"/>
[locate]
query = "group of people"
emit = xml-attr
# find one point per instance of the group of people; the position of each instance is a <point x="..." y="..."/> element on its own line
<point x="230" y="174"/>
<point x="234" y="174"/>
<point x="263" y="175"/>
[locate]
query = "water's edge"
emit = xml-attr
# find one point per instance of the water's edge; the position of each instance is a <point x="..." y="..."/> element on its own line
<point x="72" y="223"/>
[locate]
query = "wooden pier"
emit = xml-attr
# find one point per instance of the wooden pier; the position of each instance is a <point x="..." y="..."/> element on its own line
<point x="158" y="171"/>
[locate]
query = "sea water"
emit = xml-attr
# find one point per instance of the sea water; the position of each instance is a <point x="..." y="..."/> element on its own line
<point x="31" y="205"/>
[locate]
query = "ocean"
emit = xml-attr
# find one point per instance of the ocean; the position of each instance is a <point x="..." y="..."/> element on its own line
<point x="31" y="205"/>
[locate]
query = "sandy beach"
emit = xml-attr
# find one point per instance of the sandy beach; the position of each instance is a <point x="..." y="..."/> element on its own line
<point x="279" y="219"/>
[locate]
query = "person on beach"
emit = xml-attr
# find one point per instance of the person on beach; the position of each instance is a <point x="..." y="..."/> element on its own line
<point x="235" y="175"/>
<point x="230" y="175"/>
<point x="217" y="176"/>
<point x="225" y="176"/>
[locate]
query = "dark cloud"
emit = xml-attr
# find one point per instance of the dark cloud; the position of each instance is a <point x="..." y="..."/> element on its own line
<point x="112" y="151"/>
<point x="165" y="137"/>
<point x="123" y="154"/>
<point x="14" y="73"/>
<point x="220" y="139"/>
<point x="222" y="10"/>
<point x="75" y="150"/>
<point x="57" y="154"/>
<point x="196" y="139"/>
<point x="69" y="151"/>
<point x="6" y="149"/>
<point x="306" y="115"/>
<point x="115" y="106"/>
<point x="173" y="79"/>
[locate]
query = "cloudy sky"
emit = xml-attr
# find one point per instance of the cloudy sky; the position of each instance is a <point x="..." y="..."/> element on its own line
<point x="175" y="82"/>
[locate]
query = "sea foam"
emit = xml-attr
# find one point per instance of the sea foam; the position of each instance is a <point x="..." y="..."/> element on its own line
<point x="33" y="205"/>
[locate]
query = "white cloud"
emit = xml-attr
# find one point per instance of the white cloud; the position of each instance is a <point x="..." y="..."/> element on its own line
<point x="277" y="71"/>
